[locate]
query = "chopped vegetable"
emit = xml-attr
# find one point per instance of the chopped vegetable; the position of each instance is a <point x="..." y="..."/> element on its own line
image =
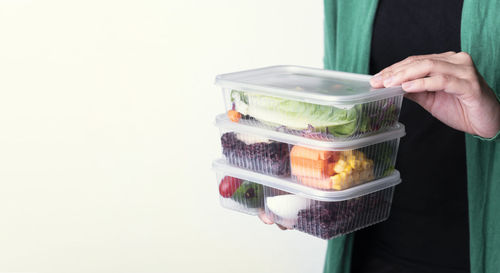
<point x="286" y="206"/>
<point x="249" y="194"/>
<point x="228" y="186"/>
<point x="297" y="115"/>
<point x="314" y="120"/>
<point x="330" y="170"/>
<point x="306" y="162"/>
<point x="303" y="152"/>
<point x="234" y="115"/>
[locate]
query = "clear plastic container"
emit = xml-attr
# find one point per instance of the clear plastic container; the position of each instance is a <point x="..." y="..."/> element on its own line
<point x="319" y="164"/>
<point x="313" y="103"/>
<point x="324" y="214"/>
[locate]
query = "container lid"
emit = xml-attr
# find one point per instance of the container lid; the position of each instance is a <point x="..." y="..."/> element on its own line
<point x="288" y="185"/>
<point x="397" y="131"/>
<point x="325" y="87"/>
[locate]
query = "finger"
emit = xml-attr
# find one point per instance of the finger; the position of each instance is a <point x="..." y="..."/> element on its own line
<point x="377" y="80"/>
<point x="423" y="68"/>
<point x="264" y="218"/>
<point x="462" y="58"/>
<point x="446" y="83"/>
<point x="282" y="227"/>
<point x="411" y="59"/>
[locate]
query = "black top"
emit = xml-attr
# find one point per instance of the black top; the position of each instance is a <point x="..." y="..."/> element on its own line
<point x="428" y="227"/>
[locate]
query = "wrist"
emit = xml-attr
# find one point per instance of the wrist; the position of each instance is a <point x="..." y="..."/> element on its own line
<point x="493" y="118"/>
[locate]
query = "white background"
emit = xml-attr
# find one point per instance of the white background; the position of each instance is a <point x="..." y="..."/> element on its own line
<point x="107" y="136"/>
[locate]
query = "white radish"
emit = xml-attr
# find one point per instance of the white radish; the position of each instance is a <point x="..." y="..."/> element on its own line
<point x="286" y="206"/>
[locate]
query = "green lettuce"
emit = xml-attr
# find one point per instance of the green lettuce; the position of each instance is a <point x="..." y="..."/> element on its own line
<point x="297" y="115"/>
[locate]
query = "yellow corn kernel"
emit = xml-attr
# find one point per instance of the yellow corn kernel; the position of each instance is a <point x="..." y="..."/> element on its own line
<point x="342" y="176"/>
<point x="346" y="180"/>
<point x="337" y="187"/>
<point x="347" y="153"/>
<point x="350" y="157"/>
<point x="347" y="170"/>
<point x="367" y="164"/>
<point x="355" y="164"/>
<point x="351" y="162"/>
<point x="339" y="166"/>
<point x="336" y="181"/>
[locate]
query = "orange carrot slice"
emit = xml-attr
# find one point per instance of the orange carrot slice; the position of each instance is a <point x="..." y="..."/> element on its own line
<point x="233" y="115"/>
<point x="330" y="171"/>
<point x="303" y="152"/>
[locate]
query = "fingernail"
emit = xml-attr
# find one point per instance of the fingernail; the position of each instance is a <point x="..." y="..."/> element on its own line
<point x="388" y="81"/>
<point x="407" y="85"/>
<point x="376" y="78"/>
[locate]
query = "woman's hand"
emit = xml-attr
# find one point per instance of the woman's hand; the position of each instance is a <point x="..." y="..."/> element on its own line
<point x="449" y="87"/>
<point x="264" y="218"/>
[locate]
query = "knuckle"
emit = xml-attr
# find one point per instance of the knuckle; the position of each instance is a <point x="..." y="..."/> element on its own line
<point x="387" y="74"/>
<point x="429" y="63"/>
<point x="444" y="54"/>
<point x="444" y="80"/>
<point x="411" y="59"/>
<point x="464" y="57"/>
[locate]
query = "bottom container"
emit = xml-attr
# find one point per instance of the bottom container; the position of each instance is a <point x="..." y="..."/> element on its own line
<point x="324" y="214"/>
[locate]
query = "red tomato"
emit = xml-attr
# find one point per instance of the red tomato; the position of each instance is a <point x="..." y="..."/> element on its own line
<point x="228" y="185"/>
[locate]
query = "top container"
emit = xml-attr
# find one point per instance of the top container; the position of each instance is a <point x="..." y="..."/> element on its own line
<point x="313" y="103"/>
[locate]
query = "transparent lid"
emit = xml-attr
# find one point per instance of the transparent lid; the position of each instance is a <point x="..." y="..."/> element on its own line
<point x="325" y="87"/>
<point x="397" y="131"/>
<point x="288" y="185"/>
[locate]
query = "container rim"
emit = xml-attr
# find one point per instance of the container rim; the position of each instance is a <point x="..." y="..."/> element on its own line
<point x="288" y="185"/>
<point x="235" y="81"/>
<point x="397" y="131"/>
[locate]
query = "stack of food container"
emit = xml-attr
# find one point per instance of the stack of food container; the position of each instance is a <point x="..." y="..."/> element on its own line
<point x="313" y="149"/>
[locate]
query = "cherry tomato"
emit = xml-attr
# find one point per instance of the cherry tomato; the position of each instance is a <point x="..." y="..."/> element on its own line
<point x="228" y="185"/>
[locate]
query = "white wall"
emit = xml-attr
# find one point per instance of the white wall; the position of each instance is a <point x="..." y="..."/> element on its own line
<point x="107" y="136"/>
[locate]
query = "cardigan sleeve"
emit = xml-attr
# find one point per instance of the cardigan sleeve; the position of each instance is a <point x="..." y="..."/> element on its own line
<point x="495" y="138"/>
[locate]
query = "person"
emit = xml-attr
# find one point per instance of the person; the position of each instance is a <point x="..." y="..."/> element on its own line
<point x="446" y="214"/>
<point x="445" y="54"/>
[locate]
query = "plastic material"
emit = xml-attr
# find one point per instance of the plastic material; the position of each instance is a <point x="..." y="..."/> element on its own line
<point x="324" y="214"/>
<point x="315" y="163"/>
<point x="310" y="102"/>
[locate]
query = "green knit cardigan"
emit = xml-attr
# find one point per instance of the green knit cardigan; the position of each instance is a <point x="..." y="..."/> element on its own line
<point x="348" y="29"/>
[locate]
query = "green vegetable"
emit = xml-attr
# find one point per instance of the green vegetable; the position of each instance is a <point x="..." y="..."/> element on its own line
<point x="249" y="194"/>
<point x="297" y="115"/>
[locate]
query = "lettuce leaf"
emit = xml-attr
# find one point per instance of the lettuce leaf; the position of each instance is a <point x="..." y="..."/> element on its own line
<point x="297" y="115"/>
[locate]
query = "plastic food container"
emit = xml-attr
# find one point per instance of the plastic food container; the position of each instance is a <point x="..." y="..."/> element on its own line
<point x="313" y="103"/>
<point x="324" y="214"/>
<point x="315" y="163"/>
